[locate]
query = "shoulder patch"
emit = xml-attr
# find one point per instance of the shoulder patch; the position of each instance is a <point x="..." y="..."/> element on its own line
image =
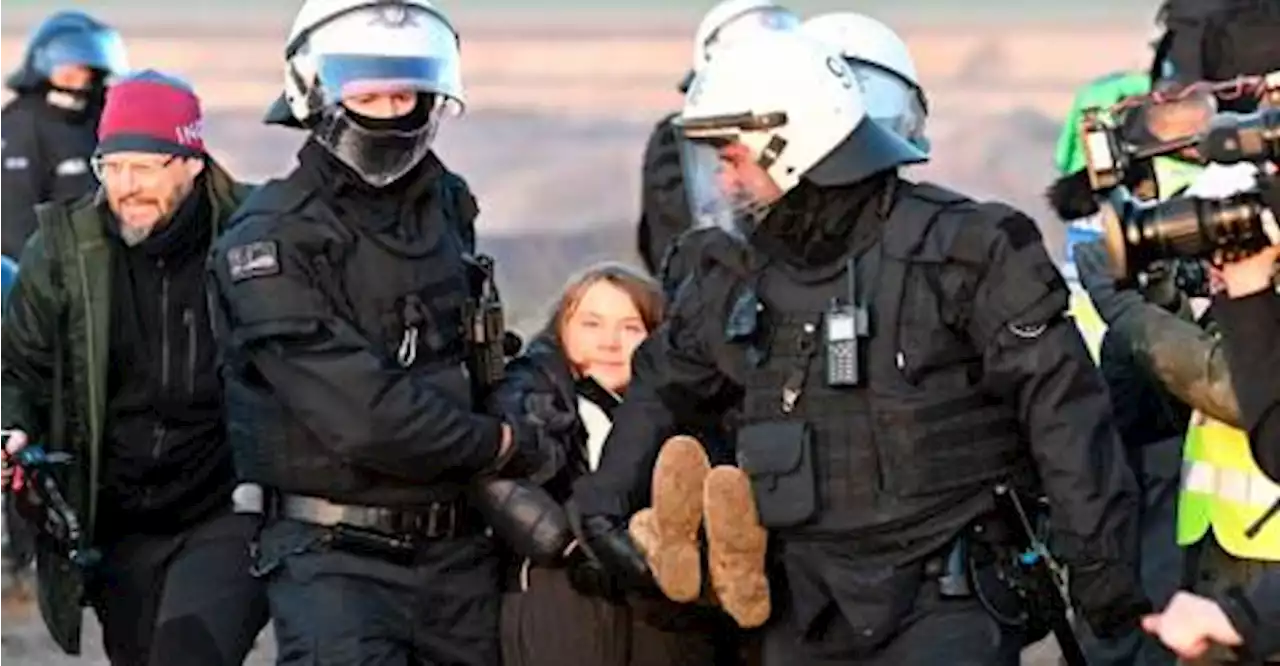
<point x="252" y="260"/>
<point x="73" y="166"/>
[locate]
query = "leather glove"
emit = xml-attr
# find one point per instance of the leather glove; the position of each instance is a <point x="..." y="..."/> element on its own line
<point x="589" y="578"/>
<point x="609" y="542"/>
<point x="1109" y="597"/>
<point x="525" y="517"/>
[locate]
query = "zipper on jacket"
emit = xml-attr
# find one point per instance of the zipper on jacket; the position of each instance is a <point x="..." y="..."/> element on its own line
<point x="157" y="444"/>
<point x="164" y="328"/>
<point x="157" y="440"/>
<point x="189" y="321"/>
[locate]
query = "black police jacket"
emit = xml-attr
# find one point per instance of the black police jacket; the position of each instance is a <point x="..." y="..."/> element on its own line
<point x="46" y="154"/>
<point x="342" y="318"/>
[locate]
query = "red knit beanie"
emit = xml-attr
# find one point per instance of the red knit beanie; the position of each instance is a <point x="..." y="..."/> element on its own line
<point x="151" y="112"/>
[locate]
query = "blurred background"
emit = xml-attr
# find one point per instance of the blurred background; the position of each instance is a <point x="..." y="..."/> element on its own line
<point x="562" y="95"/>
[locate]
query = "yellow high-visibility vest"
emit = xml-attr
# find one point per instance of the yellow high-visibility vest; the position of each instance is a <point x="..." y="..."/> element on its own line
<point x="1091" y="326"/>
<point x="1223" y="489"/>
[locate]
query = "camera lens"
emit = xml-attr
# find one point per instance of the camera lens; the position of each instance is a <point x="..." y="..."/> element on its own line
<point x="1139" y="235"/>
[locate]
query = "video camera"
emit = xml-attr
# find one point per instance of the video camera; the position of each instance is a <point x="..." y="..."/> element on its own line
<point x="1139" y="233"/>
<point x="44" y="504"/>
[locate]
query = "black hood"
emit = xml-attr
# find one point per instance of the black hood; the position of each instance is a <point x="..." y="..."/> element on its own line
<point x="814" y="226"/>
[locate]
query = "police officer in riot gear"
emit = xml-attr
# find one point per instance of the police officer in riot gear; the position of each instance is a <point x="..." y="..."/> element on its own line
<point x="886" y="72"/>
<point x="664" y="213"/>
<point x="895" y="350"/>
<point x="342" y="294"/>
<point x="49" y="127"/>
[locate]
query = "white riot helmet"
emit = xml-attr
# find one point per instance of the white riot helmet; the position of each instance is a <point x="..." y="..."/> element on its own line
<point x="339" y="49"/>
<point x="884" y="67"/>
<point x="730" y="20"/>
<point x="767" y="111"/>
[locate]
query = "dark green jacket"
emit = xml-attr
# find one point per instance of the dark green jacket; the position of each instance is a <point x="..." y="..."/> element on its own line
<point x="42" y="322"/>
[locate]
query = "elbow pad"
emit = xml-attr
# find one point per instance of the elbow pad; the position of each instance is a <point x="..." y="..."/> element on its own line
<point x="526" y="517"/>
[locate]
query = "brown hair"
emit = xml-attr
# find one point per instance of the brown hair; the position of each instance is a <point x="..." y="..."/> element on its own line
<point x="644" y="291"/>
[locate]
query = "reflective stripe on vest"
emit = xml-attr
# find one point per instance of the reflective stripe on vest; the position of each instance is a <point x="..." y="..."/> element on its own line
<point x="1087" y="320"/>
<point x="1223" y="488"/>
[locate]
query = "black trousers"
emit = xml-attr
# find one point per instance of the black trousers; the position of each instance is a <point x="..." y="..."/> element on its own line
<point x="335" y="607"/>
<point x="180" y="599"/>
<point x="551" y="624"/>
<point x="957" y="632"/>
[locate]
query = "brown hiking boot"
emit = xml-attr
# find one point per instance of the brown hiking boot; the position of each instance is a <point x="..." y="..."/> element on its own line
<point x="736" y="544"/>
<point x="673" y="556"/>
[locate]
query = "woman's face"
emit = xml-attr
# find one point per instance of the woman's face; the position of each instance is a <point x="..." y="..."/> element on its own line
<point x="602" y="333"/>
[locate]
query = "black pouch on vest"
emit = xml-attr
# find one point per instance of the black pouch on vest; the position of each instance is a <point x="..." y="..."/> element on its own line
<point x="778" y="456"/>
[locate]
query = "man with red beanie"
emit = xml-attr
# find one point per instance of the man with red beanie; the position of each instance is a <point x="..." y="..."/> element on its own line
<point x="108" y="355"/>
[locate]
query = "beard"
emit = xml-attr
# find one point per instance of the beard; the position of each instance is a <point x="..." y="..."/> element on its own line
<point x="133" y="235"/>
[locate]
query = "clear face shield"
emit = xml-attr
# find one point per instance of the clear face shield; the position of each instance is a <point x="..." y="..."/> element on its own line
<point x="892" y="102"/>
<point x="380" y="113"/>
<point x="727" y="182"/>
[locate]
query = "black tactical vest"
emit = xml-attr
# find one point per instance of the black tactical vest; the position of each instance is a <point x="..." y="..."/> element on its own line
<point x="910" y="453"/>
<point x="410" y="300"/>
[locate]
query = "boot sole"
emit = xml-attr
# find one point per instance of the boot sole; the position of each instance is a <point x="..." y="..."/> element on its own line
<point x="736" y="547"/>
<point x="678" y="477"/>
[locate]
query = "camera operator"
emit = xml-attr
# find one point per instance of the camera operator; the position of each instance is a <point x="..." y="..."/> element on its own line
<point x="1193" y="365"/>
<point x="1151" y="422"/>
<point x="1247" y="618"/>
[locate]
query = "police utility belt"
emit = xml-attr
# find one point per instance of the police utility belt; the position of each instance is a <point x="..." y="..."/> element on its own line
<point x="389" y="534"/>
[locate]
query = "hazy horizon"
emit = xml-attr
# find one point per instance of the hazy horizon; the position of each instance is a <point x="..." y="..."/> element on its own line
<point x="925" y="11"/>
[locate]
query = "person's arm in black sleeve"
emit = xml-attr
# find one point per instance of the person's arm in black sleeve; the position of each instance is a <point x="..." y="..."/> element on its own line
<point x="1251" y="327"/>
<point x="528" y="395"/>
<point x="1035" y="358"/>
<point x="23" y="181"/>
<point x="674" y="377"/>
<point x="526" y="513"/>
<point x="365" y="409"/>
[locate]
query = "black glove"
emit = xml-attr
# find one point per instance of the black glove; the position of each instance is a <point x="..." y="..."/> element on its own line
<point x="526" y="517"/>
<point x="1160" y="286"/>
<point x="1109" y="597"/>
<point x="589" y="577"/>
<point x="608" y="541"/>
